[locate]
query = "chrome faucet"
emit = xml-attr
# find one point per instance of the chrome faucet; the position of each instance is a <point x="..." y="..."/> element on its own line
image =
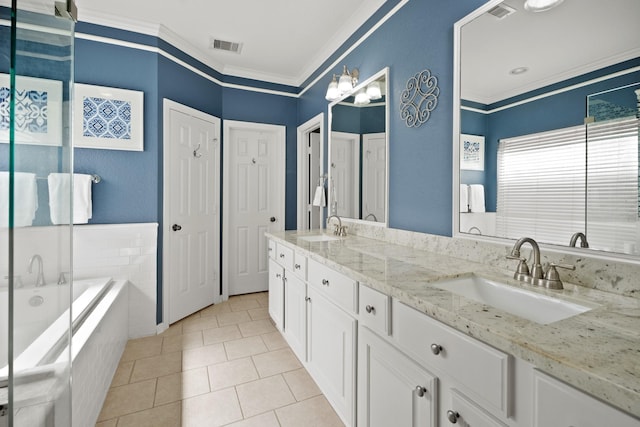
<point x="339" y="230"/>
<point x="40" y="279"/>
<point x="583" y="240"/>
<point x="550" y="279"/>
<point x="522" y="272"/>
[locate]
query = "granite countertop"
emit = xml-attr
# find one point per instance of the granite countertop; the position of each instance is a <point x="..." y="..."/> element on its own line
<point x="597" y="351"/>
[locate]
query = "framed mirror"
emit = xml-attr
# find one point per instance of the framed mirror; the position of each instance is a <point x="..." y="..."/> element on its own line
<point x="359" y="152"/>
<point x="546" y="123"/>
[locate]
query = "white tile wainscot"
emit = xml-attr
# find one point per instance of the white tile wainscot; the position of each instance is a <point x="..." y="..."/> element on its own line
<point x="122" y="252"/>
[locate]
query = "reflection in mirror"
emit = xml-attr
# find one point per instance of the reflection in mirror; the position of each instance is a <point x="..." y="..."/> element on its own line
<point x="556" y="116"/>
<point x="358" y="152"/>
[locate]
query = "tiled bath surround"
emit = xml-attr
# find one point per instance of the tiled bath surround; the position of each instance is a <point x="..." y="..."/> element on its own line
<point x="615" y="276"/>
<point x="120" y="251"/>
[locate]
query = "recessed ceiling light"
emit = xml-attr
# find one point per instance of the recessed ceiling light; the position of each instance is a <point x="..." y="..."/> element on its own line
<point x="519" y="70"/>
<point x="541" y="5"/>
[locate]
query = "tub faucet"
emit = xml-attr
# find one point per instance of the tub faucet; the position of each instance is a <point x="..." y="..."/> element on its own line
<point x="40" y="280"/>
<point x="583" y="240"/>
<point x="522" y="272"/>
<point x="339" y="230"/>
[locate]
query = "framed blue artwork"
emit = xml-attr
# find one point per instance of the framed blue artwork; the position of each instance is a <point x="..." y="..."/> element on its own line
<point x="471" y="152"/>
<point x="38" y="110"/>
<point x="108" y="118"/>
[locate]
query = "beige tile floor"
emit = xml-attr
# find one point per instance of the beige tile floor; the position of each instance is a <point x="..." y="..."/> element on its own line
<point x="226" y="365"/>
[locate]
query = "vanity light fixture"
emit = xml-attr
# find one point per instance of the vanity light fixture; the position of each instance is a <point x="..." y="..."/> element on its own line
<point x="541" y="5"/>
<point x="348" y="80"/>
<point x="332" y="91"/>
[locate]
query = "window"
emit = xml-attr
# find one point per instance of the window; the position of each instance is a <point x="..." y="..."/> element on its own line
<point x="543" y="190"/>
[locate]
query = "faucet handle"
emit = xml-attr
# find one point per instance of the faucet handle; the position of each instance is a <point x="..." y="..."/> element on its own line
<point x="552" y="277"/>
<point x="522" y="271"/>
<point x="565" y="266"/>
<point x="17" y="281"/>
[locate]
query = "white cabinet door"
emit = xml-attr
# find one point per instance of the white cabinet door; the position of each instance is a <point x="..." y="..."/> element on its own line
<point x="331" y="353"/>
<point x="462" y="411"/>
<point x="276" y="293"/>
<point x="295" y="306"/>
<point x="557" y="404"/>
<point x="393" y="390"/>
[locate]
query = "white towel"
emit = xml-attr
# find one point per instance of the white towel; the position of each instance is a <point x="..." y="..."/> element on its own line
<point x="59" y="191"/>
<point x="476" y="197"/>
<point x="25" y="199"/>
<point x="464" y="198"/>
<point x="319" y="198"/>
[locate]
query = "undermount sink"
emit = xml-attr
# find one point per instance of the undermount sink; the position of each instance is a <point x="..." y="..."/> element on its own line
<point x="529" y="305"/>
<point x="319" y="238"/>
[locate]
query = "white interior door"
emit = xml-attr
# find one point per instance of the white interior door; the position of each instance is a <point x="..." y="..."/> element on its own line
<point x="192" y="210"/>
<point x="254" y="175"/>
<point x="345" y="173"/>
<point x="374" y="176"/>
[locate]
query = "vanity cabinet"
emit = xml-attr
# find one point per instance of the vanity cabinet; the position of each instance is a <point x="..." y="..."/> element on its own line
<point x="478" y="370"/>
<point x="276" y="293"/>
<point x="331" y="337"/>
<point x="393" y="390"/>
<point x="295" y="313"/>
<point x="560" y="405"/>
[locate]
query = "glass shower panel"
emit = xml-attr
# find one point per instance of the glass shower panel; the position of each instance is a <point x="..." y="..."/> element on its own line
<point x="613" y="203"/>
<point x="36" y="78"/>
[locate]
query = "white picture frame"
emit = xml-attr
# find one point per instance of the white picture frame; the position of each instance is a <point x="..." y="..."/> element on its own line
<point x="38" y="110"/>
<point x="471" y="152"/>
<point x="108" y="118"/>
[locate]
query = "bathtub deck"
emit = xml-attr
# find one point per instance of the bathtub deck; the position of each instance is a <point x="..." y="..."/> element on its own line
<point x="226" y="365"/>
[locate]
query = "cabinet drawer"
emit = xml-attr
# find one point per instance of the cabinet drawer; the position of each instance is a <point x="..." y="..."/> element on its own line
<point x="465" y="412"/>
<point x="481" y="371"/>
<point x="300" y="266"/>
<point x="285" y="256"/>
<point x="558" y="404"/>
<point x="335" y="286"/>
<point x="374" y="310"/>
<point x="272" y="249"/>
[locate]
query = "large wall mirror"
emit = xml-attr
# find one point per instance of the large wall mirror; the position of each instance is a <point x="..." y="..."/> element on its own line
<point x="358" y="152"/>
<point x="546" y="123"/>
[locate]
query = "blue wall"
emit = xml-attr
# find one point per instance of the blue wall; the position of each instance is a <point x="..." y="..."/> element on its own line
<point x="418" y="36"/>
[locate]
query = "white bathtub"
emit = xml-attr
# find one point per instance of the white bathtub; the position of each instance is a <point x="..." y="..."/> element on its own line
<point x="100" y="331"/>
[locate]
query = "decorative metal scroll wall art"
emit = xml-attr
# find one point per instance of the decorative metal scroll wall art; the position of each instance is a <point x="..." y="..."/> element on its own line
<point x="419" y="98"/>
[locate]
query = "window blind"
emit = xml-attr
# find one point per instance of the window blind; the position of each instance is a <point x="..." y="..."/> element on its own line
<point x="543" y="191"/>
<point x="541" y="185"/>
<point x="612" y="185"/>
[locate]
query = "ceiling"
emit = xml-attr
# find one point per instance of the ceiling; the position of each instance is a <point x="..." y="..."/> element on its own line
<point x="283" y="41"/>
<point x="576" y="37"/>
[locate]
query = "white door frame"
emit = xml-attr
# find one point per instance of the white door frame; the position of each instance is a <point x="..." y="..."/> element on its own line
<point x="303" y="169"/>
<point x="281" y="140"/>
<point x="167" y="106"/>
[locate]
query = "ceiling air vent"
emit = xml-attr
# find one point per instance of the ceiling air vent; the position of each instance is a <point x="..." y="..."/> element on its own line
<point x="225" y="45"/>
<point x="501" y="11"/>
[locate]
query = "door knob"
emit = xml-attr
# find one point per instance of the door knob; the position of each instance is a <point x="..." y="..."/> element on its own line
<point x="273" y="219"/>
<point x="176" y="227"/>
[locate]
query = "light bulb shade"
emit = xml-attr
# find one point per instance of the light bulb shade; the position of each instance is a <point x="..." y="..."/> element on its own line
<point x="344" y="84"/>
<point x="332" y="91"/>
<point x="361" y="98"/>
<point x="541" y="5"/>
<point x="373" y="90"/>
